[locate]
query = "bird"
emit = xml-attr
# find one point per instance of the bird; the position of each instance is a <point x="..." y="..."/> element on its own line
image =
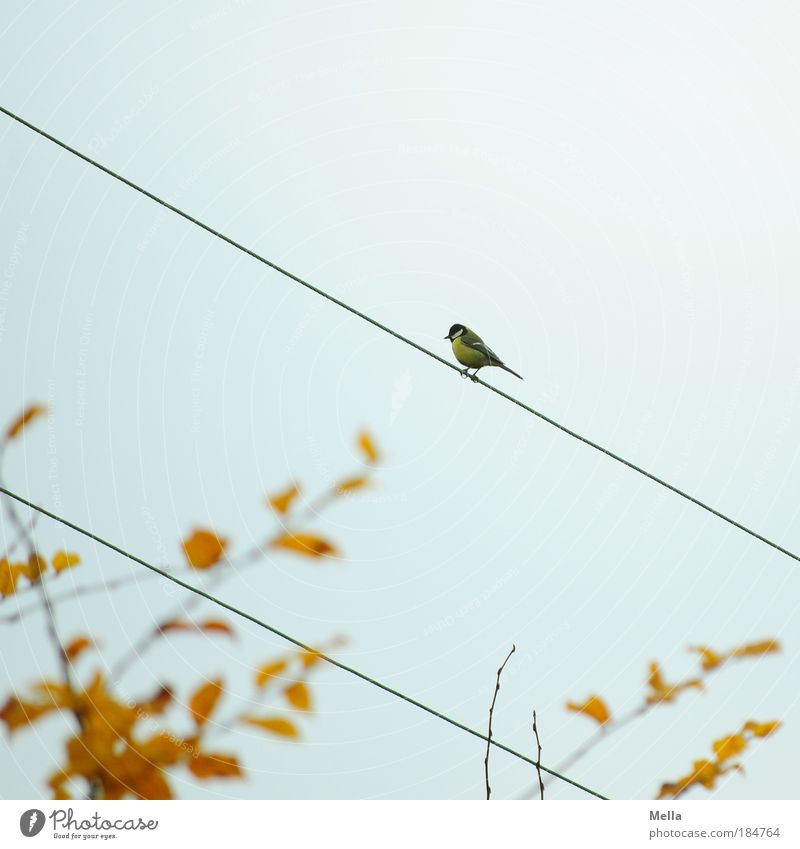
<point x="471" y="351"/>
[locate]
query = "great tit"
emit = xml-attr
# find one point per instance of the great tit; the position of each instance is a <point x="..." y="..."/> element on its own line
<point x="471" y="351"/>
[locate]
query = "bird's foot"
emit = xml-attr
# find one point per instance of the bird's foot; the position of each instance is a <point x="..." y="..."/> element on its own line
<point x="474" y="377"/>
<point x="464" y="373"/>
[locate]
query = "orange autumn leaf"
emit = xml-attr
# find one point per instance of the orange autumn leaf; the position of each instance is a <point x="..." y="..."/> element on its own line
<point x="663" y="692"/>
<point x="350" y="485"/>
<point x="755" y="649"/>
<point x="367" y="446"/>
<point x="704" y="773"/>
<point x="268" y="671"/>
<point x="35" y="567"/>
<point x="709" y="659"/>
<point x="204" y="701"/>
<point x="10" y="573"/>
<point x="312" y="656"/>
<point x="274" y="724"/>
<point x="163" y="749"/>
<point x="729" y="746"/>
<point x="217" y="626"/>
<point x="594" y="707"/>
<point x="17" y="713"/>
<point x="22" y="421"/>
<point x="761" y="729"/>
<point x="78" y="645"/>
<point x="65" y="560"/>
<point x="215" y="766"/>
<point x="158" y="703"/>
<point x="307" y="544"/>
<point x="210" y="625"/>
<point x="204" y="548"/>
<point x="281" y="502"/>
<point x="298" y="695"/>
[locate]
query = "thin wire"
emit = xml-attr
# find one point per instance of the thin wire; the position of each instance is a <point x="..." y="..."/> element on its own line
<point x="261" y="624"/>
<point x="385" y="329"/>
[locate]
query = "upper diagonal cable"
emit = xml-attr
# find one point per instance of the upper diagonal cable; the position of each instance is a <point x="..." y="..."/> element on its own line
<point x="286" y="273"/>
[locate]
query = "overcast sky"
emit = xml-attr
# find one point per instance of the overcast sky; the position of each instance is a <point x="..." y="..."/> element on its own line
<point x="605" y="192"/>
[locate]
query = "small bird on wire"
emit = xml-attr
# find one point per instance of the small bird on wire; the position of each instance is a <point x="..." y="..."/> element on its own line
<point x="471" y="351"/>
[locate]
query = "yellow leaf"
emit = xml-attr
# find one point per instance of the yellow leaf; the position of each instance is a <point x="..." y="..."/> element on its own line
<point x="663" y="692"/>
<point x="281" y="502"/>
<point x="35" y="567"/>
<point x="705" y="773"/>
<point x="16" y="713"/>
<point x="10" y="573"/>
<point x="298" y="695"/>
<point x="709" y="659"/>
<point x="27" y="415"/>
<point x="78" y="645"/>
<point x="310" y="658"/>
<point x="728" y="747"/>
<point x="268" y="671"/>
<point x="65" y="560"/>
<point x="307" y="544"/>
<point x="761" y="729"/>
<point x="593" y="707"/>
<point x="210" y="625"/>
<point x="158" y="703"/>
<point x="350" y="484"/>
<point x="204" y="548"/>
<point x="754" y="649"/>
<point x="367" y="447"/>
<point x="215" y="766"/>
<point x="204" y="701"/>
<point x="273" y="724"/>
<point x="217" y="626"/>
<point x="164" y="749"/>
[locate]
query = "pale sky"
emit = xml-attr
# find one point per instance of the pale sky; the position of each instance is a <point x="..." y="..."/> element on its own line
<point x="605" y="192"/>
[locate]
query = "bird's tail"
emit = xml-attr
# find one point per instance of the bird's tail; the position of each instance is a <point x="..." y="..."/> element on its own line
<point x="504" y="366"/>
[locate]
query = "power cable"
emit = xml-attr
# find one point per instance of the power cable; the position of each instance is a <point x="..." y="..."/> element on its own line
<point x="267" y="627"/>
<point x="713" y="511"/>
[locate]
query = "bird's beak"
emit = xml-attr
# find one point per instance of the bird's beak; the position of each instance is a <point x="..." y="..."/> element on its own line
<point x="446" y="337"/>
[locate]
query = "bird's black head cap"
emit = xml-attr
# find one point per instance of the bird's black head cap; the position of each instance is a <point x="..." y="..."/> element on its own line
<point x="455" y="331"/>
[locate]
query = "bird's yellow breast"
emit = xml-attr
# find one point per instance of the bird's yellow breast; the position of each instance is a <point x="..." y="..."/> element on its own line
<point x="467" y="356"/>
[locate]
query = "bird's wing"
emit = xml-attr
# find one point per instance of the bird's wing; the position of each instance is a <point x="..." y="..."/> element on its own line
<point x="480" y="345"/>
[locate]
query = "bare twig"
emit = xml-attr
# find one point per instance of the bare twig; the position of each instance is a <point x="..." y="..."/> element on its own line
<point x="491" y="714"/>
<point x="20" y="537"/>
<point x="538" y="757"/>
<point x="25" y="535"/>
<point x="77" y="592"/>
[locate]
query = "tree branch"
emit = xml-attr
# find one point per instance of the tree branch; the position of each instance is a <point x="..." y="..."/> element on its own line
<point x="491" y="714"/>
<point x="538" y="757"/>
